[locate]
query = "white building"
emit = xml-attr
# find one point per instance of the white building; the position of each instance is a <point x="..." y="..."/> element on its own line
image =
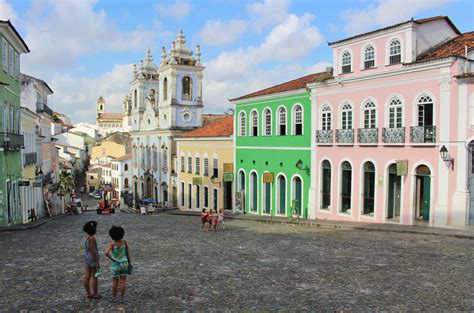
<point x="163" y="101"/>
<point x="122" y="177"/>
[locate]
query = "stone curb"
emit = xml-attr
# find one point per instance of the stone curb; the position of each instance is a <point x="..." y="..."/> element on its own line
<point x="44" y="220"/>
<point x="344" y="227"/>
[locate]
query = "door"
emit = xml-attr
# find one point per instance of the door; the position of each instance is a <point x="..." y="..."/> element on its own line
<point x="423" y="193"/>
<point x="394" y="192"/>
<point x="281" y="195"/>
<point x="471" y="182"/>
<point x="268" y="196"/>
<point x="298" y="195"/>
<point x="426" y="197"/>
<point x="254" y="192"/>
<point x="228" y="195"/>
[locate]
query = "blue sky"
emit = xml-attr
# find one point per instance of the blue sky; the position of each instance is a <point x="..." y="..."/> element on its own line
<point x="85" y="48"/>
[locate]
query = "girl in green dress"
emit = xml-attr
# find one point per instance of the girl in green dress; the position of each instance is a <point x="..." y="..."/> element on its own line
<point x="119" y="253"/>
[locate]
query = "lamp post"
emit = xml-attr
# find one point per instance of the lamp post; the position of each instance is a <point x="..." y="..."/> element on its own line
<point x="444" y="154"/>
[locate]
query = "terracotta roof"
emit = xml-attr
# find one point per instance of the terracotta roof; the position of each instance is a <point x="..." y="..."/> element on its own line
<point x="210" y="118"/>
<point x="111" y="116"/>
<point x="294" y="84"/>
<point x="220" y="128"/>
<point x="419" y="21"/>
<point x="452" y="48"/>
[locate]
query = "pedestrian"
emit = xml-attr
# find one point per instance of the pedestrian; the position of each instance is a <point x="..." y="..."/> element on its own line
<point x="220" y="219"/>
<point x="209" y="220"/>
<point x="119" y="253"/>
<point x="214" y="219"/>
<point x="92" y="270"/>
<point x="203" y="218"/>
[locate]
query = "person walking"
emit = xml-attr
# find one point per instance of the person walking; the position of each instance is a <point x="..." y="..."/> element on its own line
<point x="91" y="260"/>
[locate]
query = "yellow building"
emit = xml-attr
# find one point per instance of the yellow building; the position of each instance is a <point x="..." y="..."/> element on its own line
<point x="114" y="146"/>
<point x="93" y="179"/>
<point x="205" y="161"/>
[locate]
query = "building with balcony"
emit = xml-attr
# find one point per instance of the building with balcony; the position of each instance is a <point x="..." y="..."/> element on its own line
<point x="205" y="169"/>
<point x="11" y="138"/>
<point x="273" y="148"/>
<point x="397" y="96"/>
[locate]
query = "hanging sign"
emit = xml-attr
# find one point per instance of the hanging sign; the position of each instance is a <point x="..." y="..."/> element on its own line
<point x="197" y="180"/>
<point x="267" y="178"/>
<point x="228" y="177"/>
<point x="402" y="167"/>
<point x="228" y="167"/>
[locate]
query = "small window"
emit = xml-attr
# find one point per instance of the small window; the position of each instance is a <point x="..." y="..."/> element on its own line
<point x="206" y="167"/>
<point x="242" y="124"/>
<point x="165" y="88"/>
<point x="182" y="164"/>
<point x="346" y="62"/>
<point x="298" y="120"/>
<point x="254" y="116"/>
<point x="198" y="166"/>
<point x="282" y="122"/>
<point x="326" y="120"/>
<point x="369" y="57"/>
<point x="369" y="115"/>
<point x="395" y="113"/>
<point x="215" y="167"/>
<point x="267" y="115"/>
<point x="190" y="165"/>
<point x="395" y="52"/>
<point x="187" y="88"/>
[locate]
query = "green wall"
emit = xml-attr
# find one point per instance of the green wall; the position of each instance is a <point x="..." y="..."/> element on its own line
<point x="275" y="154"/>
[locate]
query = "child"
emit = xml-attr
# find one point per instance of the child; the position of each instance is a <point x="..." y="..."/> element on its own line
<point x="118" y="251"/>
<point x="92" y="260"/>
<point x="220" y="219"/>
<point x="203" y="218"/>
<point x="208" y="219"/>
<point x="214" y="218"/>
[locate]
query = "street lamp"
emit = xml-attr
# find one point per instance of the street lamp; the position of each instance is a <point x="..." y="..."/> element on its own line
<point x="444" y="154"/>
<point x="299" y="165"/>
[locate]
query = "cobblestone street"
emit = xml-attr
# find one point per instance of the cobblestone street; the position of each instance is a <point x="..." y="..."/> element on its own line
<point x="248" y="266"/>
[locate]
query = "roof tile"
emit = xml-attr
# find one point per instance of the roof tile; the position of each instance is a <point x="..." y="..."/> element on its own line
<point x="221" y="128"/>
<point x="450" y="48"/>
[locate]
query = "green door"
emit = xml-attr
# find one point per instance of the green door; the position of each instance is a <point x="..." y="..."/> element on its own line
<point x="426" y="197"/>
<point x="254" y="192"/>
<point x="298" y="195"/>
<point x="282" y="195"/>
<point x="268" y="195"/>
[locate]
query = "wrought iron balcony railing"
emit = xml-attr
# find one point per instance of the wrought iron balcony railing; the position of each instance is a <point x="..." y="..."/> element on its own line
<point x="423" y="134"/>
<point x="324" y="136"/>
<point x="368" y="135"/>
<point x="11" y="141"/>
<point x="345" y="136"/>
<point x="393" y="135"/>
<point x="29" y="158"/>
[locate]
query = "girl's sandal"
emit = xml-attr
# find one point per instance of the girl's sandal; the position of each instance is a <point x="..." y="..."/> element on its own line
<point x="90" y="296"/>
<point x="97" y="297"/>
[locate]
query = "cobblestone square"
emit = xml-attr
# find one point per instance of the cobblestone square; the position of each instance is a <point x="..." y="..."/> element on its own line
<point x="248" y="266"/>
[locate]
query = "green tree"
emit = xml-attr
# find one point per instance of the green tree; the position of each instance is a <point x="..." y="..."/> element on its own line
<point x="66" y="183"/>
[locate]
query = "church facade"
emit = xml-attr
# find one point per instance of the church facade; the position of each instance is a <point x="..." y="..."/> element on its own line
<point x="163" y="101"/>
<point x="108" y="122"/>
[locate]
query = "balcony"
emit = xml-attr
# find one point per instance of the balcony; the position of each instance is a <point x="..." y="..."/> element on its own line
<point x="368" y="135"/>
<point x="29" y="158"/>
<point x="394" y="135"/>
<point x="324" y="136"/>
<point x="345" y="136"/>
<point x="11" y="141"/>
<point x="423" y="134"/>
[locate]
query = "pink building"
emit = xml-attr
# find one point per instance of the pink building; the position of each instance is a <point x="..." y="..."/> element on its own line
<point x="398" y="96"/>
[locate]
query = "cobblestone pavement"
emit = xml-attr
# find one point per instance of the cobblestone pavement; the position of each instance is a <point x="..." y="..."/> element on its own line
<point x="248" y="266"/>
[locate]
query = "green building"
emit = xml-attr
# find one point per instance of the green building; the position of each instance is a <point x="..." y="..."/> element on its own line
<point x="11" y="140"/>
<point x="272" y="136"/>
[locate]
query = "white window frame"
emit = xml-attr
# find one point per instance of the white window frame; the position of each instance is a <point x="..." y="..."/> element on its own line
<point x="215" y="165"/>
<point x="253" y="122"/>
<point x="365" y="108"/>
<point x="400" y="105"/>
<point x="5" y="55"/>
<point x="282" y="119"/>
<point x="242" y="123"/>
<point x="387" y="50"/>
<point x="364" y="56"/>
<point x="190" y="164"/>
<point x="206" y="166"/>
<point x="293" y="118"/>
<point x="266" y="125"/>
<point x="347" y="112"/>
<point x="342" y="62"/>
<point x="326" y="117"/>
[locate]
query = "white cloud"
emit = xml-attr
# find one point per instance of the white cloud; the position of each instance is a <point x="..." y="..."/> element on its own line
<point x="386" y="12"/>
<point x="6" y="11"/>
<point x="60" y="32"/>
<point x="268" y="12"/>
<point x="238" y="72"/>
<point x="77" y="96"/>
<point x="219" y="33"/>
<point x="179" y="9"/>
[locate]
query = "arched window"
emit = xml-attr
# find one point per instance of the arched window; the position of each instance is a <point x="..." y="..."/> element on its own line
<point x="395" y="52"/>
<point x="326" y="120"/>
<point x="267" y="122"/>
<point x="125" y="182"/>
<point x="369" y="57"/>
<point x="187" y="88"/>
<point x="282" y="121"/>
<point x="148" y="157"/>
<point x="297" y="120"/>
<point x="346" y="62"/>
<point x="125" y="167"/>
<point x="326" y="185"/>
<point x="369" y="115"/>
<point x="281" y="195"/>
<point x="165" y="88"/>
<point x="253" y="192"/>
<point x="254" y="117"/>
<point x="155" y="159"/>
<point x="395" y="113"/>
<point x="135" y="99"/>
<point x="346" y="187"/>
<point x="164" y="158"/>
<point x="267" y="197"/>
<point x="346" y="116"/>
<point x="369" y="189"/>
<point x="425" y="111"/>
<point x="152" y="97"/>
<point x="242" y="124"/>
